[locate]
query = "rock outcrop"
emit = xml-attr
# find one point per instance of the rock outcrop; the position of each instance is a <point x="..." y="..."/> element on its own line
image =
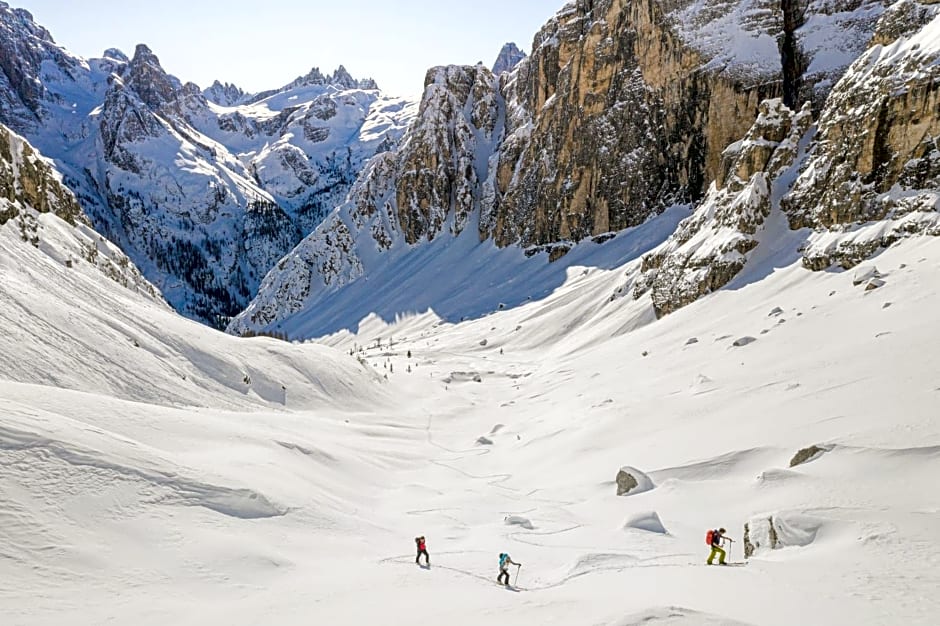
<point x="780" y="530"/>
<point x="808" y="454"/>
<point x="44" y="213"/>
<point x="874" y="174"/>
<point x="29" y="184"/>
<point x="631" y="481"/>
<point x="711" y="247"/>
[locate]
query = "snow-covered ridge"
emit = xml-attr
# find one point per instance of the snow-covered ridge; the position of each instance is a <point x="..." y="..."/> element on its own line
<point x="204" y="198"/>
<point x="39" y="213"/>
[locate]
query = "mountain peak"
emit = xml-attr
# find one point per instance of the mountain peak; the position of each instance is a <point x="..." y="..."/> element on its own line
<point x="342" y="77"/>
<point x="147" y="77"/>
<point x="224" y="94"/>
<point x="116" y="54"/>
<point x="509" y="57"/>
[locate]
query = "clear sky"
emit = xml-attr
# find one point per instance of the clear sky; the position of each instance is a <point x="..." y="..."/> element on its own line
<point x="263" y="44"/>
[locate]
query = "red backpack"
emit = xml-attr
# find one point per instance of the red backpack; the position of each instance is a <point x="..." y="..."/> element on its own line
<point x="708" y="537"/>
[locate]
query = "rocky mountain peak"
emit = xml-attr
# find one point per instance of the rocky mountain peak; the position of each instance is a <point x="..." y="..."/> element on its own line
<point x="224" y="94"/>
<point x="116" y="55"/>
<point x="313" y="77"/>
<point x="342" y="77"/>
<point x="509" y="57"/>
<point x="24" y="45"/>
<point x="147" y="78"/>
<point x="24" y="20"/>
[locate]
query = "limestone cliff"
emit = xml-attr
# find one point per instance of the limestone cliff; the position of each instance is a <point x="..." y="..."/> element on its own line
<point x="37" y="209"/>
<point x="623" y="109"/>
<point x="874" y="174"/>
<point x="711" y="247"/>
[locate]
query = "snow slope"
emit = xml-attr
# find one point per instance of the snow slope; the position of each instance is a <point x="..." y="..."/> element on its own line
<point x="151" y="483"/>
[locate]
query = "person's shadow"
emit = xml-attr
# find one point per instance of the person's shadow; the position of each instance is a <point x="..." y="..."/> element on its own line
<point x="428" y="566"/>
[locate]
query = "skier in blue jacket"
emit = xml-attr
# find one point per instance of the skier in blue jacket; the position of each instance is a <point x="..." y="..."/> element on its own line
<point x="504" y="562"/>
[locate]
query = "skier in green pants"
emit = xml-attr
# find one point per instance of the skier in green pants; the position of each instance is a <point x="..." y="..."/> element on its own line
<point x="714" y="538"/>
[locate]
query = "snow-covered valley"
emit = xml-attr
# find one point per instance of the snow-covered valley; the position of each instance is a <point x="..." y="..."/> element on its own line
<point x="677" y="269"/>
<point x="155" y="471"/>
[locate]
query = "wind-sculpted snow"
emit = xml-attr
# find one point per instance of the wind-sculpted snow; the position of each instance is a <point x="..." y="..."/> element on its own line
<point x="19" y="447"/>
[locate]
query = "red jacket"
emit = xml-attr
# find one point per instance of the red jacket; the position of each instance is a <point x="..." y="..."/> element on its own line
<point x="421" y="545"/>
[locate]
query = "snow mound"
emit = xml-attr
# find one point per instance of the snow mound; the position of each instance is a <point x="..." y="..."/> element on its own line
<point x="668" y="616"/>
<point x="86" y="465"/>
<point x="647" y="521"/>
<point x="464" y="377"/>
<point x="516" y="520"/>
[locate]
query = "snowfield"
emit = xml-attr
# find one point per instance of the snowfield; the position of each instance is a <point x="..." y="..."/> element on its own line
<point x="153" y="471"/>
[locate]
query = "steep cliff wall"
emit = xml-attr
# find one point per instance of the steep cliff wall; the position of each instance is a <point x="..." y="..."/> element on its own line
<point x="874" y="174"/>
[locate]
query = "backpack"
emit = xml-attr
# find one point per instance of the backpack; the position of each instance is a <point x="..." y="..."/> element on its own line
<point x="709" y="536"/>
<point x="502" y="558"/>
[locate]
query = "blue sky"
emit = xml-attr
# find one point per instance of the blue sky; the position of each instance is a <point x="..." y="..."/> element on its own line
<point x="262" y="44"/>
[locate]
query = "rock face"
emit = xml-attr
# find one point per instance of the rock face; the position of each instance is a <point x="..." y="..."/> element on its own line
<point x="29" y="185"/>
<point x="623" y="109"/>
<point x="874" y="175"/>
<point x="225" y="94"/>
<point x="710" y="247"/>
<point x="509" y="57"/>
<point x="444" y="160"/>
<point x="205" y="192"/>
<point x="41" y="211"/>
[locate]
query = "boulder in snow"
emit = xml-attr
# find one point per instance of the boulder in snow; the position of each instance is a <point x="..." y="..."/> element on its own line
<point x="631" y="481"/>
<point x="483" y="441"/>
<point x="808" y="454"/>
<point x="516" y="520"/>
<point x="874" y="283"/>
<point x="743" y="341"/>
<point x="647" y="521"/>
<point x="779" y="530"/>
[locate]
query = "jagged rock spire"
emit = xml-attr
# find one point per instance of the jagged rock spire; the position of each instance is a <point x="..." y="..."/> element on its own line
<point x="147" y="78"/>
<point x="509" y="57"/>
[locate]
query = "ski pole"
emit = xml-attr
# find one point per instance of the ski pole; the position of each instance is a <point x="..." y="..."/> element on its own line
<point x="518" y="567"/>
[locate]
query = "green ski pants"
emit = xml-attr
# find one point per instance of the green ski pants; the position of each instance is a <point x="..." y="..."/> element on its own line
<point x="716" y="551"/>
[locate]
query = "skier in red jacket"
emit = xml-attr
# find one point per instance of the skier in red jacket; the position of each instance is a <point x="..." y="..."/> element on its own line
<point x="422" y="549"/>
